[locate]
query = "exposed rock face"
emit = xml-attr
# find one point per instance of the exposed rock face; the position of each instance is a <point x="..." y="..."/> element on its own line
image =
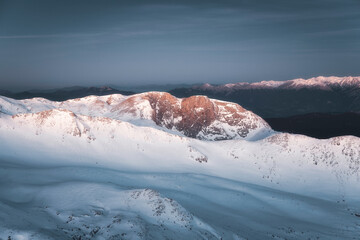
<point x="196" y="116"/>
<point x="196" y="113"/>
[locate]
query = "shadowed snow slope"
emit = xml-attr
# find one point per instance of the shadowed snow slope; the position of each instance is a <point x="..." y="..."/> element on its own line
<point x="72" y="170"/>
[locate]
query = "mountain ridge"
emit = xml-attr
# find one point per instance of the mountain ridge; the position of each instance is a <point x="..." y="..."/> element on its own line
<point x="315" y="82"/>
<point x="89" y="138"/>
<point x="197" y="116"/>
<point x="63" y="94"/>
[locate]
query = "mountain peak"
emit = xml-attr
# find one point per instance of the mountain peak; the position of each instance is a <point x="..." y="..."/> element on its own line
<point x="196" y="116"/>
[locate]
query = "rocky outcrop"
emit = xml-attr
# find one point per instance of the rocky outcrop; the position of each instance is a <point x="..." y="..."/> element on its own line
<point x="195" y="116"/>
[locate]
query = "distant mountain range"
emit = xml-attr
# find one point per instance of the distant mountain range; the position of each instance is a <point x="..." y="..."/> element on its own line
<point x="63" y="94"/>
<point x="270" y="99"/>
<point x="152" y="87"/>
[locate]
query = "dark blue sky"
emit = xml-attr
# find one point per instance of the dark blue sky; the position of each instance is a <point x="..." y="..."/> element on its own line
<point x="46" y="44"/>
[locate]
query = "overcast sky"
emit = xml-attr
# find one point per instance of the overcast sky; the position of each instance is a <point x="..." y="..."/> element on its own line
<point x="46" y="44"/>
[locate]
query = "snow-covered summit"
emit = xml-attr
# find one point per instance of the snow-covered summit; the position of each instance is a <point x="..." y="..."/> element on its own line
<point x="196" y="116"/>
<point x="323" y="82"/>
<point x="320" y="82"/>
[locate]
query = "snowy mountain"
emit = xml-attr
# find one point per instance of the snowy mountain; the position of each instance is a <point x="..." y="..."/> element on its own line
<point x="197" y="116"/>
<point x="59" y="129"/>
<point x="95" y="168"/>
<point x="321" y="82"/>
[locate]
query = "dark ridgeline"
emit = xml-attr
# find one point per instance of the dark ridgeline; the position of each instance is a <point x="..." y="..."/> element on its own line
<point x="319" y="125"/>
<point x="273" y="103"/>
<point x="64" y="94"/>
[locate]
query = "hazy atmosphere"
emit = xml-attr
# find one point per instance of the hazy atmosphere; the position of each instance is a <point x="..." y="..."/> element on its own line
<point x="47" y="44"/>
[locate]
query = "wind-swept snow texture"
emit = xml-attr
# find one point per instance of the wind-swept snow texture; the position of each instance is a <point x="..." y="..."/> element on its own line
<point x="76" y="170"/>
